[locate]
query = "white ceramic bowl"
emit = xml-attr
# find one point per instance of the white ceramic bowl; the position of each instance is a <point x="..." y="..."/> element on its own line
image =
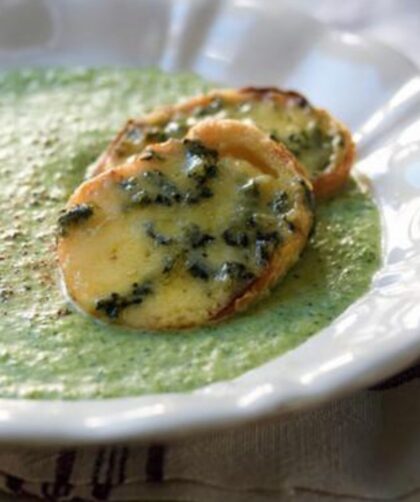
<point x="240" y="42"/>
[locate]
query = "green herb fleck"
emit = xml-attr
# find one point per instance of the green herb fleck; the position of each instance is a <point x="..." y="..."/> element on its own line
<point x="198" y="269"/>
<point x="234" y="271"/>
<point x="235" y="238"/>
<point x="265" y="245"/>
<point x="115" y="303"/>
<point x="73" y="216"/>
<point x="195" y="147"/>
<point x="196" y="238"/>
<point x="280" y="203"/>
<point x="159" y="238"/>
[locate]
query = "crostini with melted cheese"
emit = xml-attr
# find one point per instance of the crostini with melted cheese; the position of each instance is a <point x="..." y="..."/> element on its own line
<point x="320" y="142"/>
<point x="189" y="231"/>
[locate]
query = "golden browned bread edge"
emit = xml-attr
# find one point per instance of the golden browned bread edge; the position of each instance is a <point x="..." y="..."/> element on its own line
<point x="327" y="184"/>
<point x="268" y="152"/>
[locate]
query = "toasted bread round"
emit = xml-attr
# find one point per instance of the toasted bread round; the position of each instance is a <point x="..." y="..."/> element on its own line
<point x="189" y="232"/>
<point x="320" y="142"/>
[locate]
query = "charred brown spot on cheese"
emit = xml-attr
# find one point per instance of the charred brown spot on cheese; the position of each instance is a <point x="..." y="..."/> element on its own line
<point x="190" y="235"/>
<point x="321" y="143"/>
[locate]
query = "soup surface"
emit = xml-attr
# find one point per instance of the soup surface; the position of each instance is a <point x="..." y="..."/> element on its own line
<point x="53" y="124"/>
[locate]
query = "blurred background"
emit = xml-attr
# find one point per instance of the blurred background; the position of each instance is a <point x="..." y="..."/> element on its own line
<point x="395" y="22"/>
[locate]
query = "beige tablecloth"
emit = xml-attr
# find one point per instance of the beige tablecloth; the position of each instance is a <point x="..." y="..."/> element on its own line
<point x="361" y="448"/>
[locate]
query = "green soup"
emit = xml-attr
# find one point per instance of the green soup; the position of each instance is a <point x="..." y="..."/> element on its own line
<point x="52" y="125"/>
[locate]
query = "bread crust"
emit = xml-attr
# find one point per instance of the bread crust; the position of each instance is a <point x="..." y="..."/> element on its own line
<point x="243" y="141"/>
<point x="325" y="183"/>
<point x="229" y="138"/>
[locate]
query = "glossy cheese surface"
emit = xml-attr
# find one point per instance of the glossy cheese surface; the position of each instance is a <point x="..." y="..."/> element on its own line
<point x="179" y="236"/>
<point x="321" y="143"/>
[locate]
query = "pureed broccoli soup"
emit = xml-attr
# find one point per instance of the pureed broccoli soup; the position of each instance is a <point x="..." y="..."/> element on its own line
<point x="54" y="123"/>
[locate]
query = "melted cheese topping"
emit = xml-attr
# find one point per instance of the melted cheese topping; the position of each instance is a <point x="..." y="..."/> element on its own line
<point x="312" y="136"/>
<point x="173" y="238"/>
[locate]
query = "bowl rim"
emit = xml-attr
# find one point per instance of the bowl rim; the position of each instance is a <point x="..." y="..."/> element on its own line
<point x="250" y="397"/>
